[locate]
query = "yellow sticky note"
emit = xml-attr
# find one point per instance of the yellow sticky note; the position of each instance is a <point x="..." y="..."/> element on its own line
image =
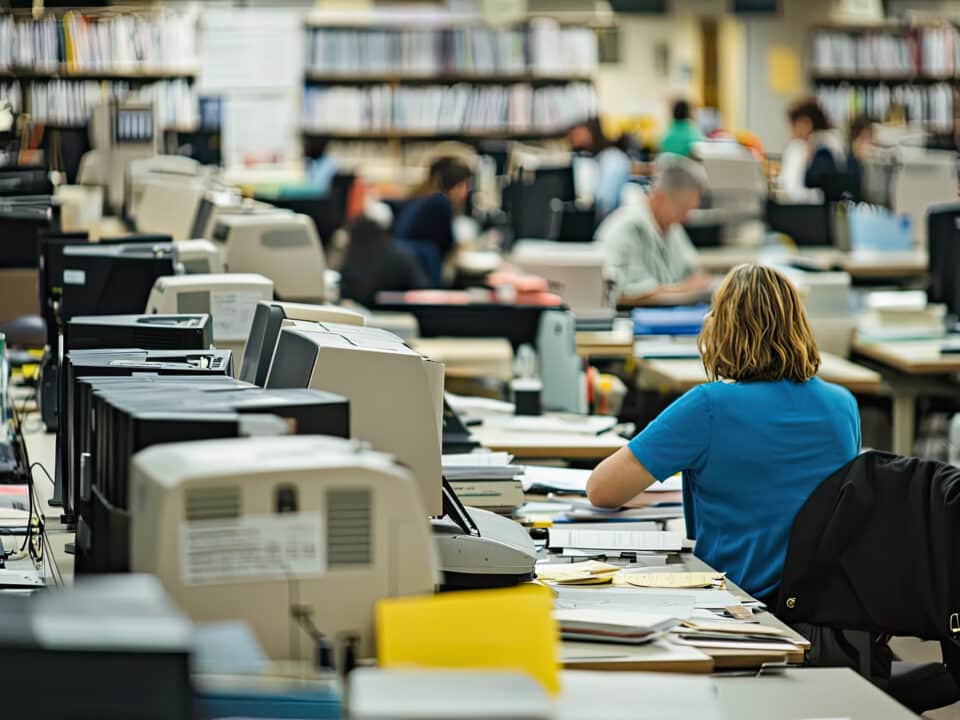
<point x="511" y="629"/>
<point x="783" y="70"/>
<point x="667" y="580"/>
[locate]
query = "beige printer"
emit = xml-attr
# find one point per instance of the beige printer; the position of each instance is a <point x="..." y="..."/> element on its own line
<point x="230" y="299"/>
<point x="574" y="271"/>
<point x="217" y="203"/>
<point x="396" y="405"/>
<point x="284" y="246"/>
<point x="245" y="529"/>
<point x="197" y="257"/>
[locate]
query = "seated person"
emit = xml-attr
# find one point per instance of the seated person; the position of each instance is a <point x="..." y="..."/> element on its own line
<point x="815" y="159"/>
<point x="425" y="223"/>
<point x="612" y="167"/>
<point x="753" y="443"/>
<point x="374" y="263"/>
<point x="683" y="133"/>
<point x="648" y="256"/>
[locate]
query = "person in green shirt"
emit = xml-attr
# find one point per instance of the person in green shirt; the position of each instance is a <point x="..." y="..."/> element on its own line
<point x="683" y="132"/>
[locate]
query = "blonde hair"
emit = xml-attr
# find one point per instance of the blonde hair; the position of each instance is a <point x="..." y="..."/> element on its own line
<point x="757" y="330"/>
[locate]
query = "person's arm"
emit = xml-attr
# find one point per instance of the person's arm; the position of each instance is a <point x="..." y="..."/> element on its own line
<point x="689" y="291"/>
<point x="677" y="440"/>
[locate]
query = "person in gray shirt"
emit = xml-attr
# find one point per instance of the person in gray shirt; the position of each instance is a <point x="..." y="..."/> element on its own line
<point x="648" y="256"/>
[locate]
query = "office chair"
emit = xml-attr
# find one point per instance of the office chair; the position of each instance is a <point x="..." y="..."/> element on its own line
<point x="850" y="582"/>
<point x="943" y="249"/>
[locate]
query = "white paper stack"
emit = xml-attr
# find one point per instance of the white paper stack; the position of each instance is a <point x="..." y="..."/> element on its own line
<point x="485" y="480"/>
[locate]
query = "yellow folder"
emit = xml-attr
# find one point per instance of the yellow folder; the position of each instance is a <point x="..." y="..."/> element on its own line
<point x="511" y="629"/>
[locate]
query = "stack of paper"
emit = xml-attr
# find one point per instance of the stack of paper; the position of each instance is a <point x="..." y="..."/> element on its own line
<point x="614" y="540"/>
<point x="901" y="316"/>
<point x="485" y="480"/>
<point x="589" y="572"/>
<point x="613" y="626"/>
<point x="684" y="580"/>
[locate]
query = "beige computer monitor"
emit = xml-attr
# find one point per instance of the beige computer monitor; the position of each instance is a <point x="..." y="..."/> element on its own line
<point x="283" y="246"/>
<point x="243" y="528"/>
<point x="574" y="271"/>
<point x="395" y="393"/>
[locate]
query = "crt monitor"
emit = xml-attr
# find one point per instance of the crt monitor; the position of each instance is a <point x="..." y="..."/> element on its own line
<point x="943" y="238"/>
<point x="113" y="279"/>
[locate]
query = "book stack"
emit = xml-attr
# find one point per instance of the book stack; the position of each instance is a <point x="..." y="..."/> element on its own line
<point x="839" y="53"/>
<point x="930" y="104"/>
<point x="113" y="43"/>
<point x="447" y="109"/>
<point x="485" y="480"/>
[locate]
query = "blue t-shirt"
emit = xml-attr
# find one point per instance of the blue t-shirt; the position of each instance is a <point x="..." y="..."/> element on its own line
<point x="751" y="455"/>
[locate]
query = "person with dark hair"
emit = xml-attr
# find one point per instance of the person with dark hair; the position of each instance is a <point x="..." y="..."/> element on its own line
<point x="425" y="223"/>
<point x="374" y="263"/>
<point x="612" y="168"/>
<point x="815" y="159"/>
<point x="683" y="132"/>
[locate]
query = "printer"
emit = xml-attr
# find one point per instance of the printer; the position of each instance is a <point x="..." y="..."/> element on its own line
<point x="922" y="178"/>
<point x="260" y="529"/>
<point x="229" y="298"/>
<point x="284" y="246"/>
<point x="396" y="405"/>
<point x="269" y="318"/>
<point x="218" y="202"/>
<point x="574" y="271"/>
<point x="121" y="131"/>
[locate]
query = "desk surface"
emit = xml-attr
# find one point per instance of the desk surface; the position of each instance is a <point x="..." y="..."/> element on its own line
<point x="681" y="375"/>
<point x="796" y="694"/>
<point x="860" y="264"/>
<point x="921" y="357"/>
<point x="553" y="446"/>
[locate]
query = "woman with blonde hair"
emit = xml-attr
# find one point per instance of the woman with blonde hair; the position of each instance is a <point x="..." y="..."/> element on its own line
<point x="754" y="442"/>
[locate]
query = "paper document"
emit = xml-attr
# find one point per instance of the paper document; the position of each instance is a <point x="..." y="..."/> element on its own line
<point x="615" y="540"/>
<point x="671" y="484"/>
<point x="559" y="424"/>
<point x="558" y="480"/>
<point x="675" y="603"/>
<point x="668" y="579"/>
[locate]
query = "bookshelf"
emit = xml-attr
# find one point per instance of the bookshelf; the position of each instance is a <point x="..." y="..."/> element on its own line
<point x="65" y="63"/>
<point x="395" y="79"/>
<point x="871" y="68"/>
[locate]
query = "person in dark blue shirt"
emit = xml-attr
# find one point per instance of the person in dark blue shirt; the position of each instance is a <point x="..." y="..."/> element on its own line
<point x="754" y="443"/>
<point x="424" y="225"/>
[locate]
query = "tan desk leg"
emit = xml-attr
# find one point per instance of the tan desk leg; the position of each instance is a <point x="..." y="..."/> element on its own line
<point x="904" y="419"/>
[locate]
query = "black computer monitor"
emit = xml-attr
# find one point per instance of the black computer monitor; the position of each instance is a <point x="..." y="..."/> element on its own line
<point x="201" y="217"/>
<point x="112" y="279"/>
<point x="50" y="283"/>
<point x="943" y="243"/>
<point x="808" y="225"/>
<point x="22" y="222"/>
<point x="530" y="200"/>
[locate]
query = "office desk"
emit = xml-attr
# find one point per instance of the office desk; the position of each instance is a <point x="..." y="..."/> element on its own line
<point x="680" y="375"/>
<point x="910" y="369"/>
<point x="469" y="358"/>
<point x="861" y="265"/>
<point x="796" y="694"/>
<point x="616" y="344"/>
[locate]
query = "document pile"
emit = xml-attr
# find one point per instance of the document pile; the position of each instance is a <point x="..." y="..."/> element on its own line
<point x="614" y="626"/>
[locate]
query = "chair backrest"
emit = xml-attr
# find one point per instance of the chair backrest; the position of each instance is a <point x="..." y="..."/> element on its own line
<point x="875" y="548"/>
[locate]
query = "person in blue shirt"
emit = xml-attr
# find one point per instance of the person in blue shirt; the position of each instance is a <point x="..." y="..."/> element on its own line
<point x="753" y="443"/>
<point x="424" y="224"/>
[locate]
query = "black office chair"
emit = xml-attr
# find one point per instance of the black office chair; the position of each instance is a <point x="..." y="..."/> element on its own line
<point x="873" y="554"/>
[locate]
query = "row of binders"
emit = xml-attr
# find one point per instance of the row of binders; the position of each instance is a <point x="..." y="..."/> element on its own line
<point x="542" y="47"/>
<point x="518" y="107"/>
<point x="933" y="51"/>
<point x="71" y="102"/>
<point x="78" y="42"/>
<point x="929" y="105"/>
<point x="11" y="97"/>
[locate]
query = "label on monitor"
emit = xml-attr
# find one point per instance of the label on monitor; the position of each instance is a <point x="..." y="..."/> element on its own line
<point x="233" y="314"/>
<point x="74" y="277"/>
<point x="252" y="547"/>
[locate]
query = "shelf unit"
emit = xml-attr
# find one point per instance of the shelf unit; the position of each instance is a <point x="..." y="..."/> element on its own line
<point x="915" y="64"/>
<point x="92" y="45"/>
<point x="502" y="55"/>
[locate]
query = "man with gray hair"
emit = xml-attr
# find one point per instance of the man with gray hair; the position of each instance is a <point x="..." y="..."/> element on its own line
<point x="648" y="256"/>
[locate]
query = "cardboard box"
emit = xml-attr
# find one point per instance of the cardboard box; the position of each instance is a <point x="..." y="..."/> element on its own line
<point x="18" y="293"/>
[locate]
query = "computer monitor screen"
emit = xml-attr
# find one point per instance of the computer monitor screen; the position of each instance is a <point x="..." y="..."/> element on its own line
<point x="943" y="238"/>
<point x="264" y="332"/>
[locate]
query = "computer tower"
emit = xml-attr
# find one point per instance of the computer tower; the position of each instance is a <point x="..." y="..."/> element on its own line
<point x="147" y="332"/>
